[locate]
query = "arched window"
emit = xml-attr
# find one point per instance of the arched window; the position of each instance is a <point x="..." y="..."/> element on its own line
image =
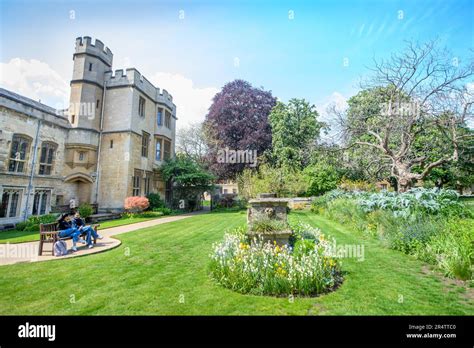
<point x="19" y="153"/>
<point x="46" y="158"/>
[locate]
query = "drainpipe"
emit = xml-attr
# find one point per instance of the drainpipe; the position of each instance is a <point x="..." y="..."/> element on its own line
<point x="99" y="147"/>
<point x="33" y="165"/>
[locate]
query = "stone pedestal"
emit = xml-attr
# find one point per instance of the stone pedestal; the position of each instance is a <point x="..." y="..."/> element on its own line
<point x="273" y="208"/>
<point x="269" y="207"/>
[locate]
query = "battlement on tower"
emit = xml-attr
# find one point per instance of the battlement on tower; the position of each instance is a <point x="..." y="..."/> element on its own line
<point x="132" y="77"/>
<point x="85" y="45"/>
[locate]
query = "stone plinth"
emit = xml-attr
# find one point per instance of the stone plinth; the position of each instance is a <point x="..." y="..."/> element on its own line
<point x="273" y="208"/>
<point x="268" y="208"/>
<point x="300" y="203"/>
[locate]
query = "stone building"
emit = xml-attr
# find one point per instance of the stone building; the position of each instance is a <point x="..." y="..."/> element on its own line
<point x="108" y="145"/>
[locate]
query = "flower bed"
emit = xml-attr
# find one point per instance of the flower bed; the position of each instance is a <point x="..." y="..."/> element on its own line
<point x="306" y="267"/>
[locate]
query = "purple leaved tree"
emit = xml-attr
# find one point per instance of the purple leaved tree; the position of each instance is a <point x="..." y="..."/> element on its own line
<point x="238" y="121"/>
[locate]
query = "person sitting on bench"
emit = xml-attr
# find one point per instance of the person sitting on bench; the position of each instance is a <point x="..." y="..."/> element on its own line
<point x="66" y="229"/>
<point x="80" y="224"/>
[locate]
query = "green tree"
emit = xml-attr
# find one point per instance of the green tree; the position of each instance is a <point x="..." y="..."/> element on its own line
<point x="283" y="181"/>
<point x="454" y="175"/>
<point x="295" y="129"/>
<point x="189" y="180"/>
<point x="411" y="92"/>
<point x="321" y="177"/>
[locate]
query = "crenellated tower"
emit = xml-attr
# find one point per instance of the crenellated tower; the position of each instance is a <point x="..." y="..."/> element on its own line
<point x="91" y="61"/>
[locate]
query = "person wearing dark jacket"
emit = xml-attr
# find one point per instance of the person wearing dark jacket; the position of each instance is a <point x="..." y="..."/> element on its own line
<point x="66" y="229"/>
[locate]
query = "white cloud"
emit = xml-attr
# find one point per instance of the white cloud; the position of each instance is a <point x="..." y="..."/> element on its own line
<point x="192" y="103"/>
<point x="36" y="80"/>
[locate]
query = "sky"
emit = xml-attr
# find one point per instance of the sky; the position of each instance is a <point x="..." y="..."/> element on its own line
<point x="317" y="50"/>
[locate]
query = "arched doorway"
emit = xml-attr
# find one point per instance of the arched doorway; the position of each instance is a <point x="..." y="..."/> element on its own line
<point x="82" y="186"/>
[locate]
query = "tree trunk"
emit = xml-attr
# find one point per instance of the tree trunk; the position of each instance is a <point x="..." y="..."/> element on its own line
<point x="404" y="184"/>
<point x="402" y="174"/>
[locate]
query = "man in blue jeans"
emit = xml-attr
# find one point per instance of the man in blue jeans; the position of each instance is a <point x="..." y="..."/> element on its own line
<point x="66" y="229"/>
<point x="80" y="225"/>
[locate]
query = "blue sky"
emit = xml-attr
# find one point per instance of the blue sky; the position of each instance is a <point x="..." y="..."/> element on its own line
<point x="192" y="57"/>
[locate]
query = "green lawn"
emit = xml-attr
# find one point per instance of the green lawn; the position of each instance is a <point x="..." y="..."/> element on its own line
<point x="15" y="236"/>
<point x="166" y="273"/>
<point x="469" y="201"/>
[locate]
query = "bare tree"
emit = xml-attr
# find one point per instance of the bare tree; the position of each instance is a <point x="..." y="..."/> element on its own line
<point x="421" y="88"/>
<point x="190" y="140"/>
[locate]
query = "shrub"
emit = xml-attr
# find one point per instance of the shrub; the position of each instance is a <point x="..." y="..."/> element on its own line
<point x="241" y="202"/>
<point x="451" y="250"/>
<point x="417" y="200"/>
<point x="149" y="214"/>
<point x="347" y="211"/>
<point x="33" y="222"/>
<point x="304" y="231"/>
<point x="409" y="234"/>
<point x="303" y="247"/>
<point x="226" y="201"/>
<point x="429" y="224"/>
<point x="264" y="224"/>
<point x="21" y="226"/>
<point x="280" y="180"/>
<point x="324" y="200"/>
<point x="267" y="269"/>
<point x="356" y="185"/>
<point x="321" y="178"/>
<point x="155" y="201"/>
<point x="164" y="211"/>
<point x="136" y="204"/>
<point x="86" y="210"/>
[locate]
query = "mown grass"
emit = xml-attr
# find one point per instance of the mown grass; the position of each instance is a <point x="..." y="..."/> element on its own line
<point x="166" y="273"/>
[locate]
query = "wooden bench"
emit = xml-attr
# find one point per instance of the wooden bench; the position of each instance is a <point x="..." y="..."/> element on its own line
<point x="49" y="233"/>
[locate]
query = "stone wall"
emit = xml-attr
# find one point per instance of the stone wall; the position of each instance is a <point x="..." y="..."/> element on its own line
<point x="115" y="176"/>
<point x="21" y="118"/>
